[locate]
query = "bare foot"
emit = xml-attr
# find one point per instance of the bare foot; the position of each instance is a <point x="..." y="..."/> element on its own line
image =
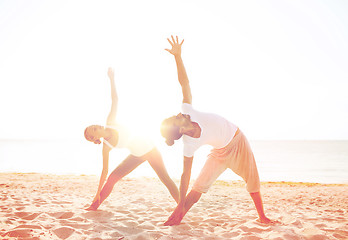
<point x="173" y="222"/>
<point x="90" y="208"/>
<point x="176" y="217"/>
<point x="266" y="220"/>
<point x="93" y="207"/>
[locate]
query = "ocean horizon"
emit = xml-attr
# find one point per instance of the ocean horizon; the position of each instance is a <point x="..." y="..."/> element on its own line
<point x="318" y="161"/>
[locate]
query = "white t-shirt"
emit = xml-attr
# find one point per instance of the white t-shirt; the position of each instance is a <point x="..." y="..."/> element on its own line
<point x="216" y="131"/>
<point x="137" y="145"/>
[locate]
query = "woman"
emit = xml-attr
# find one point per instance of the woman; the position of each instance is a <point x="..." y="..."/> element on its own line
<point x="231" y="148"/>
<point x="113" y="136"/>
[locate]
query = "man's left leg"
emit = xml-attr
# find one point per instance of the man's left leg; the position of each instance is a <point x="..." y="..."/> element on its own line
<point x="191" y="199"/>
<point x="256" y="196"/>
<point x="179" y="213"/>
<point x="243" y="164"/>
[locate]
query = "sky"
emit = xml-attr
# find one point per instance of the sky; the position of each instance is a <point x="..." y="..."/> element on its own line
<point x="277" y="69"/>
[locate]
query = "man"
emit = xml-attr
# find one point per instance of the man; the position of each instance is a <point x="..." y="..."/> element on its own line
<point x="230" y="147"/>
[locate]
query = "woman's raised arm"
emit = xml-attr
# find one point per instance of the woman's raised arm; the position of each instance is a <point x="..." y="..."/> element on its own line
<point x="114" y="98"/>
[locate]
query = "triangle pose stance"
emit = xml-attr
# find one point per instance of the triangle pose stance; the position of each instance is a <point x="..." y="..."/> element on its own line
<point x="114" y="135"/>
<point x="230" y="148"/>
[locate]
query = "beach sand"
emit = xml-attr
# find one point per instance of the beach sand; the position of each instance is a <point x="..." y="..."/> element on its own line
<point x="40" y="206"/>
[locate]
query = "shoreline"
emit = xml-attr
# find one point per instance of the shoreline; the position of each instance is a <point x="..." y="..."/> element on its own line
<point x="52" y="206"/>
<point x="222" y="181"/>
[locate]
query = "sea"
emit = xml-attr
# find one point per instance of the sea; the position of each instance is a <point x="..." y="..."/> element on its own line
<point x="289" y="161"/>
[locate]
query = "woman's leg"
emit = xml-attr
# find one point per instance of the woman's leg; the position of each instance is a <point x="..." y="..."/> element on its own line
<point x="127" y="166"/>
<point x="156" y="162"/>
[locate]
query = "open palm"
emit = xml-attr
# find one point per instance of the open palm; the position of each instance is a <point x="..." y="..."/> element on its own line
<point x="176" y="46"/>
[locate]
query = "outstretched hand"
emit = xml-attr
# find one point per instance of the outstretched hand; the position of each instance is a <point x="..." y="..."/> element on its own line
<point x="111" y="73"/>
<point x="176" y="46"/>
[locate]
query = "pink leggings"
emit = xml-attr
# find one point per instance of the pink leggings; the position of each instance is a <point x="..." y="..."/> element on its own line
<point x="128" y="165"/>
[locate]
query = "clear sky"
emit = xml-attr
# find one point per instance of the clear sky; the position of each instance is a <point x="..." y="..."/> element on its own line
<point x="277" y="69"/>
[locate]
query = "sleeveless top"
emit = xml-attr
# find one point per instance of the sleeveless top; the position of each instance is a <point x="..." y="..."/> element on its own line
<point x="137" y="145"/>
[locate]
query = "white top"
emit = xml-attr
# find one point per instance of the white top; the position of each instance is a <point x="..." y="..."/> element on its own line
<point x="137" y="145"/>
<point x="216" y="131"/>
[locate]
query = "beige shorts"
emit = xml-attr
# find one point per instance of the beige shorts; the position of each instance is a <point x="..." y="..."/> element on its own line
<point x="237" y="156"/>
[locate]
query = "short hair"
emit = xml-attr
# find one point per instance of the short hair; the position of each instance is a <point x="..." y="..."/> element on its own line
<point x="86" y="134"/>
<point x="169" y="131"/>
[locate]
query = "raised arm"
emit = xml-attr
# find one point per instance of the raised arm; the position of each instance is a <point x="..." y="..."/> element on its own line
<point x="182" y="76"/>
<point x="185" y="178"/>
<point x="114" y="99"/>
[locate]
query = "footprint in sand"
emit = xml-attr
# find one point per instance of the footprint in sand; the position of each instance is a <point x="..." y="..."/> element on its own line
<point x="20" y="208"/>
<point x="19" y="233"/>
<point x="64" y="232"/>
<point x="116" y="235"/>
<point x="231" y="235"/>
<point x="6" y="209"/>
<point x="78" y="219"/>
<point x="23" y="232"/>
<point x="27" y="215"/>
<point x="61" y="215"/>
<point x="29" y="226"/>
<point x="82" y="226"/>
<point x="147" y="226"/>
<point x="4" y="198"/>
<point x="320" y="226"/>
<point x="130" y="224"/>
<point x="32" y="216"/>
<point x="297" y="223"/>
<point x="21" y="214"/>
<point x="98" y="214"/>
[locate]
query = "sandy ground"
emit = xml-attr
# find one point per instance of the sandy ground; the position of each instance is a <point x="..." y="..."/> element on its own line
<point x="39" y="206"/>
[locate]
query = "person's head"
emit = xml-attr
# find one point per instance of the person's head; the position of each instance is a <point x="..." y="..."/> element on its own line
<point x="172" y="128"/>
<point x="93" y="133"/>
